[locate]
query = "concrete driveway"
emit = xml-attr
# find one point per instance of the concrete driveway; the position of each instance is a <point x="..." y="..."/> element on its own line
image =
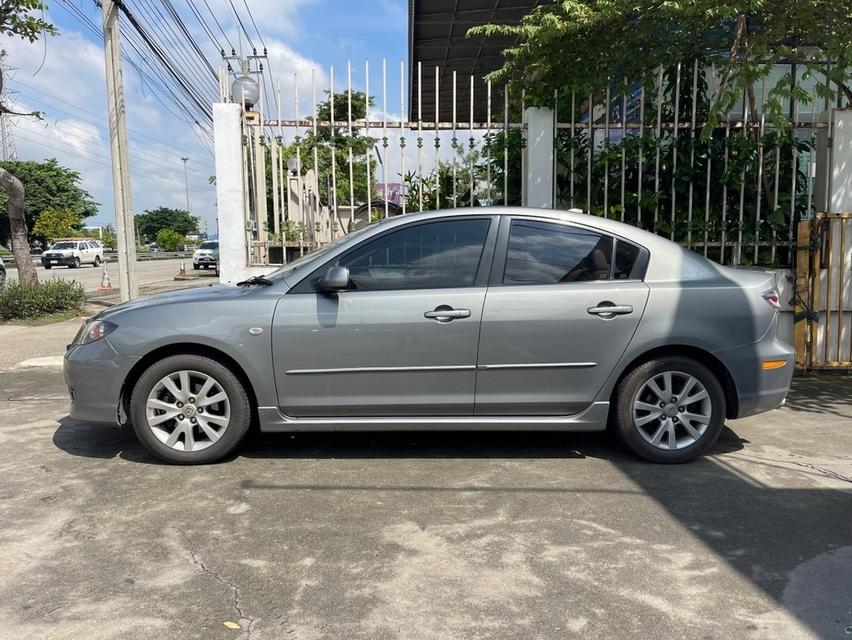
<point x="425" y="536"/>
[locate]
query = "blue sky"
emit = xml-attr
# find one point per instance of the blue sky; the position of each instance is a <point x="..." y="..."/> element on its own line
<point x="69" y="88"/>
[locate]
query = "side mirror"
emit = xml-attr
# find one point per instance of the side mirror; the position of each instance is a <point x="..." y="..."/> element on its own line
<point x="335" y="279"/>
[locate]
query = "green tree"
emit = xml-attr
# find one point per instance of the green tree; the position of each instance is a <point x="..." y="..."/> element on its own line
<point x="150" y="223"/>
<point x="17" y="19"/>
<point x="48" y="185"/>
<point x="169" y="239"/>
<point x="581" y="44"/>
<point x="57" y="223"/>
<point x="341" y="141"/>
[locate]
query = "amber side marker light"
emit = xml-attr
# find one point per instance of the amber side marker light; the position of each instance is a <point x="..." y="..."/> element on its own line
<point x="773" y="364"/>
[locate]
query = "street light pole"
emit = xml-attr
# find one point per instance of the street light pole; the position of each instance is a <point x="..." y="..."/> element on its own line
<point x="186" y="183"/>
<point x="124" y="223"/>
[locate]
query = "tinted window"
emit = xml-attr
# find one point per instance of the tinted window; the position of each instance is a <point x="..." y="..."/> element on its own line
<point x="64" y="245"/>
<point x="425" y="256"/>
<point x="209" y="245"/>
<point x="546" y="253"/>
<point x="626" y="255"/>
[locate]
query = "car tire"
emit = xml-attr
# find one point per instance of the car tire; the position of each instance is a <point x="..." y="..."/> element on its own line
<point x="75" y="264"/>
<point x="653" y="426"/>
<point x="160" y="439"/>
<point x="97" y="261"/>
<point x="46" y="266"/>
<point x="196" y="267"/>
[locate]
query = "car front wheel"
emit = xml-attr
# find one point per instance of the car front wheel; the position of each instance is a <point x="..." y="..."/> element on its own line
<point x="97" y="262"/>
<point x="189" y="409"/>
<point x="670" y="409"/>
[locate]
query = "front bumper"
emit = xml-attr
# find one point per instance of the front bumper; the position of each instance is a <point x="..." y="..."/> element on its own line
<point x="56" y="262"/>
<point x="94" y="375"/>
<point x="204" y="260"/>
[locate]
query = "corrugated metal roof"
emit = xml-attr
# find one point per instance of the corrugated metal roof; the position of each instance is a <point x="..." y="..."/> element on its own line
<point x="437" y="37"/>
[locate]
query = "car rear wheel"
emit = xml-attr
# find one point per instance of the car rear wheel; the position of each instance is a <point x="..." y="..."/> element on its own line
<point x="189" y="409"/>
<point x="669" y="410"/>
<point x="195" y="267"/>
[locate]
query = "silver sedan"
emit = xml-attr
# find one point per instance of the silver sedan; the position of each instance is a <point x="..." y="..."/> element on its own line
<point x="487" y="318"/>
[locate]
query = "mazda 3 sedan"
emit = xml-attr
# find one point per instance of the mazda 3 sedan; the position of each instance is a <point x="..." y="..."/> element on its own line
<point x="486" y="318"/>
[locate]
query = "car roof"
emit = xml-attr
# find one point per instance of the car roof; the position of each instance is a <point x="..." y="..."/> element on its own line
<point x="668" y="262"/>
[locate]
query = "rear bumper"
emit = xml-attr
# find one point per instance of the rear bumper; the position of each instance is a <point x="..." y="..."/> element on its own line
<point x="759" y="389"/>
<point x="94" y="375"/>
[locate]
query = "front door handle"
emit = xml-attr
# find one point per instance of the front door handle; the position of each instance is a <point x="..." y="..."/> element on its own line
<point x="610" y="310"/>
<point x="445" y="313"/>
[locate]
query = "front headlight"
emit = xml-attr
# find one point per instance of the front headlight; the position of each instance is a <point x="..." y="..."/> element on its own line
<point x="94" y="331"/>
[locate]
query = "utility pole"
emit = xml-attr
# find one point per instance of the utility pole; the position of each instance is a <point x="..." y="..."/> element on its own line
<point x="186" y="182"/>
<point x="124" y="224"/>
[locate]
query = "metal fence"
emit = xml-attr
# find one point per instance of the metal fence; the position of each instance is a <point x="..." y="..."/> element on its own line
<point x="639" y="152"/>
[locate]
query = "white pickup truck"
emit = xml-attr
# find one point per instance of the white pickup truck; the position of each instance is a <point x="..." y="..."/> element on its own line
<point x="73" y="253"/>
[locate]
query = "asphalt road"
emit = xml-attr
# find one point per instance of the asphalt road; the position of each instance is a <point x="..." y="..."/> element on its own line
<point x="424" y="536"/>
<point x="150" y="273"/>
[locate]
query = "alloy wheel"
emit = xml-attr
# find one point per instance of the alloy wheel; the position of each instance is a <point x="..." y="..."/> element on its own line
<point x="188" y="410"/>
<point x="672" y="410"/>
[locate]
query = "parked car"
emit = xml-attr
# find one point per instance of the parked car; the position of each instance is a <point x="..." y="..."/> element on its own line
<point x="207" y="255"/>
<point x="2" y="272"/>
<point x="72" y="254"/>
<point x="488" y="318"/>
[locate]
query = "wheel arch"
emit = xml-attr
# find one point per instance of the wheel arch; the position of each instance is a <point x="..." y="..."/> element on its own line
<point x="183" y="348"/>
<point x="696" y="353"/>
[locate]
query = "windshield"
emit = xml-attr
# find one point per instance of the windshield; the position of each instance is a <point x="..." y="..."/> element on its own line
<point x="308" y="258"/>
<point x="65" y="245"/>
<point x="209" y="245"/>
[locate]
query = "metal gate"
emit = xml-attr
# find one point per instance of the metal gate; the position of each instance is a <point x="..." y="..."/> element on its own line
<point x="824" y="285"/>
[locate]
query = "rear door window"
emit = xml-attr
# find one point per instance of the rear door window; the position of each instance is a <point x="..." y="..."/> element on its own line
<point x="550" y="253"/>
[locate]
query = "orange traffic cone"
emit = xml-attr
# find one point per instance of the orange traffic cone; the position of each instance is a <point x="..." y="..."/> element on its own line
<point x="106" y="285"/>
<point x="182" y="268"/>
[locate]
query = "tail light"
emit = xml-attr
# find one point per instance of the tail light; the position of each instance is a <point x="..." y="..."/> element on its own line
<point x="772" y="299"/>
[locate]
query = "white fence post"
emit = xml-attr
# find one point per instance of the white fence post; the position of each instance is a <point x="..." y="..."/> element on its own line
<point x="230" y="194"/>
<point x="538" y="176"/>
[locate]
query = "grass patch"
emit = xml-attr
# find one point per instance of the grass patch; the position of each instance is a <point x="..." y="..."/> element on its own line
<point x="50" y="318"/>
<point x="23" y="302"/>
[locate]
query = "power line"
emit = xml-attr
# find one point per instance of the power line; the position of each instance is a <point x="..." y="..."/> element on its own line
<point x="98" y="117"/>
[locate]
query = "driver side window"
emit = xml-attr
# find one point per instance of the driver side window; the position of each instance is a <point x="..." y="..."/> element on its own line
<point x="434" y="255"/>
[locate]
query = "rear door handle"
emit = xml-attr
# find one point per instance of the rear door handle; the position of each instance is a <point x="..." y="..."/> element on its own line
<point x="445" y="313"/>
<point x="610" y="310"/>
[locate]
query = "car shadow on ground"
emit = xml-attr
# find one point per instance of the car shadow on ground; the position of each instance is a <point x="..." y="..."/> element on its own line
<point x="85" y="440"/>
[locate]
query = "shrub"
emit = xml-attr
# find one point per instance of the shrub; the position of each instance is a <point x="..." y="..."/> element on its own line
<point x="21" y="301"/>
<point x="169" y="240"/>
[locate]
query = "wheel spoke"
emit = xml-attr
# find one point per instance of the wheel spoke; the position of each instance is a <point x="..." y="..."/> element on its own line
<point x="672" y="435"/>
<point x="153" y="403"/>
<point x="658" y="434"/>
<point x="695" y="433"/>
<point x="642" y="421"/>
<point x="688" y="387"/>
<point x="153" y="421"/>
<point x="218" y="397"/>
<point x="695" y="417"/>
<point x="220" y="420"/>
<point x="209" y="431"/>
<point x="655" y="388"/>
<point x="205" y="389"/>
<point x="701" y="395"/>
<point x="174" y="435"/>
<point x="184" y="385"/>
<point x="667" y="385"/>
<point x="645" y="406"/>
<point x="171" y="387"/>
<point x="189" y="438"/>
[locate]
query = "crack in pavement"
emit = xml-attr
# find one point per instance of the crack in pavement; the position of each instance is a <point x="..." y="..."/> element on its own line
<point x="235" y="589"/>
<point x="828" y="473"/>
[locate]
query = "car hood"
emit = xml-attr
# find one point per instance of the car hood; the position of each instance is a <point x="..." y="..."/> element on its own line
<point x="184" y="296"/>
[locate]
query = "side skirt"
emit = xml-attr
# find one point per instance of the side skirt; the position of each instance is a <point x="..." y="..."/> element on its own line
<point x="592" y="418"/>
